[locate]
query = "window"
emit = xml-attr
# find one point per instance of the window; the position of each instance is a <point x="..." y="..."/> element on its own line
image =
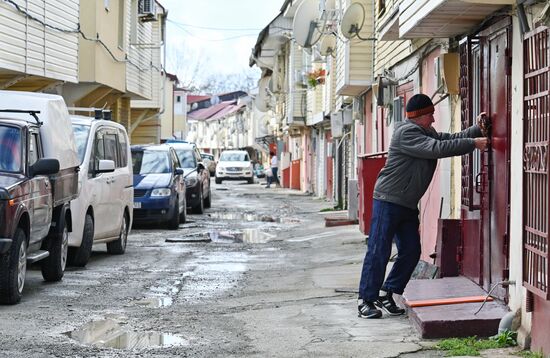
<point x="186" y="158"/>
<point x="10" y="149"/>
<point x="178" y="99"/>
<point x="123" y="149"/>
<point x="111" y="147"/>
<point x="98" y="153"/>
<point x="81" y="137"/>
<point x="34" y="155"/>
<point x="151" y="161"/>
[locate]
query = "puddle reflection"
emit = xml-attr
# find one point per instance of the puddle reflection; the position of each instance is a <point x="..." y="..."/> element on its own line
<point x="108" y="333"/>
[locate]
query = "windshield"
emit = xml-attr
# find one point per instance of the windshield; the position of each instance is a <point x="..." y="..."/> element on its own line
<point x="186" y="157"/>
<point x="233" y="157"/>
<point x="81" y="132"/>
<point x="10" y="149"/>
<point x="150" y="161"/>
<point x="207" y="156"/>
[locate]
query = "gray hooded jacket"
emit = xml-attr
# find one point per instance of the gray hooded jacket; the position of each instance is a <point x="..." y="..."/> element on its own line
<point x="412" y="159"/>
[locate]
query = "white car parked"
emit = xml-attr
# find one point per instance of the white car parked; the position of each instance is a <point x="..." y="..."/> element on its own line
<point x="103" y="211"/>
<point x="234" y="165"/>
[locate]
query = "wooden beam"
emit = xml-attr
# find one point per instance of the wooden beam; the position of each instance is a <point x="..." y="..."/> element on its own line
<point x="13" y="81"/>
<point x="96" y="98"/>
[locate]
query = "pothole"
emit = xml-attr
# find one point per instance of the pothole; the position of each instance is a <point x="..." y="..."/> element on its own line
<point x="110" y="334"/>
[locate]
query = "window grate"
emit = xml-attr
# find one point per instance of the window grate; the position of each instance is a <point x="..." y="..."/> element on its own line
<point x="536" y="139"/>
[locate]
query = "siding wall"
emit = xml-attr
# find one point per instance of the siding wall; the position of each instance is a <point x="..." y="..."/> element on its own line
<point x="296" y="103"/>
<point x="354" y="58"/>
<point x="155" y="75"/>
<point x="29" y="47"/>
<point x="139" y="74"/>
<point x="389" y="53"/>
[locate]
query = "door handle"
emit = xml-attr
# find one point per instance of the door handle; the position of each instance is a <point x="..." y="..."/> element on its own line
<point x="478" y="183"/>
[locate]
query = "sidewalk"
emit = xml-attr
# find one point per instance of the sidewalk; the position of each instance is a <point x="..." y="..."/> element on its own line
<point x="301" y="299"/>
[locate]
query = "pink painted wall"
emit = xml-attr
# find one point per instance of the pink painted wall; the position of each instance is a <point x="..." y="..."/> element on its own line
<point x="430" y="203"/>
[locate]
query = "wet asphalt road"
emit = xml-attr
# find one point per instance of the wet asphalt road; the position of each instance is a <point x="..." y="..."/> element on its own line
<point x="167" y="296"/>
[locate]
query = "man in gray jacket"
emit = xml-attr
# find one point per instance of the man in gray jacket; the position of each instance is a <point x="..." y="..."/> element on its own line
<point x="410" y="166"/>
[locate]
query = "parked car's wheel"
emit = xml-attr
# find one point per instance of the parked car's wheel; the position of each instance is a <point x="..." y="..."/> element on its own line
<point x="174" y="222"/>
<point x="79" y="256"/>
<point x="218" y="181"/>
<point x="118" y="247"/>
<point x="57" y="243"/>
<point x="251" y="180"/>
<point x="13" y="269"/>
<point x="208" y="199"/>
<point x="199" y="208"/>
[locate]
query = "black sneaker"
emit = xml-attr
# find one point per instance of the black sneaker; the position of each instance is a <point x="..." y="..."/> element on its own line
<point x="368" y="310"/>
<point x="388" y="304"/>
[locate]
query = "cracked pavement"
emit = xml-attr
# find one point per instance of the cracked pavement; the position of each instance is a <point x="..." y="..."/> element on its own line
<point x="288" y="293"/>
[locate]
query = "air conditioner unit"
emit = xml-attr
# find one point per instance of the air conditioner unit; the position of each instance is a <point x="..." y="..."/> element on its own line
<point x="147" y="8"/>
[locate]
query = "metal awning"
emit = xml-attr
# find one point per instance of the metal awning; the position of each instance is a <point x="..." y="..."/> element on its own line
<point x="444" y="18"/>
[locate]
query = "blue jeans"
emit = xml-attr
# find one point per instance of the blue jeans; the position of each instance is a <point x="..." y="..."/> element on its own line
<point x="274" y="178"/>
<point x="390" y="221"/>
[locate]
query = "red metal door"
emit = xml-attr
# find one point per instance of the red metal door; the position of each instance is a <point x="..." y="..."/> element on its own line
<point x="489" y="264"/>
<point x="495" y="220"/>
<point x="470" y="252"/>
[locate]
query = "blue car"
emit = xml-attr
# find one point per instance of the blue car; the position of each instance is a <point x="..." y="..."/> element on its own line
<point x="159" y="186"/>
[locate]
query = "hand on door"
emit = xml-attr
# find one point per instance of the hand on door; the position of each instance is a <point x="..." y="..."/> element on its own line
<point x="483" y="123"/>
<point x="481" y="143"/>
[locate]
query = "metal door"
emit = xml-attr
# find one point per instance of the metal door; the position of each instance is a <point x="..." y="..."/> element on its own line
<point x="485" y="222"/>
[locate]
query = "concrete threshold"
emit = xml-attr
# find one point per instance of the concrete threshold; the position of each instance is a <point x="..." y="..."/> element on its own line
<point x="451" y="320"/>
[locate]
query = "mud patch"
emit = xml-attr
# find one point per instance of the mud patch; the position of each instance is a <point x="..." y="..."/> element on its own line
<point x="109" y="333"/>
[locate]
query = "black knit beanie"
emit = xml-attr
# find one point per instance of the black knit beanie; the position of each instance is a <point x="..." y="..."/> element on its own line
<point x="418" y="105"/>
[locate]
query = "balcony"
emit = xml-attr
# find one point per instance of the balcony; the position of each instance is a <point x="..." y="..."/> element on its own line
<point x="444" y="18"/>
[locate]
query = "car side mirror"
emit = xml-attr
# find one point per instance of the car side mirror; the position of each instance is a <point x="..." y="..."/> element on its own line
<point x="44" y="166"/>
<point x="178" y="171"/>
<point x="105" y="166"/>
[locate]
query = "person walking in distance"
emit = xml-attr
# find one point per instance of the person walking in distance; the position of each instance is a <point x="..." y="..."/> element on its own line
<point x="274" y="166"/>
<point x="412" y="159"/>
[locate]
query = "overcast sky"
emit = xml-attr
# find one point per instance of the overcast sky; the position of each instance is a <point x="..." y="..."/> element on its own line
<point x="218" y="33"/>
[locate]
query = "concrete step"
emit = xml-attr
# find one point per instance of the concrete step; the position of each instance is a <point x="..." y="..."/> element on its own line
<point x="451" y="320"/>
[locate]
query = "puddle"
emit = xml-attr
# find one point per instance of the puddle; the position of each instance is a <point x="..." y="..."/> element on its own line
<point x="109" y="333"/>
<point x="253" y="236"/>
<point x="253" y="217"/>
<point x="200" y="237"/>
<point x="155" y="302"/>
<point x="168" y="289"/>
<point x="249" y="236"/>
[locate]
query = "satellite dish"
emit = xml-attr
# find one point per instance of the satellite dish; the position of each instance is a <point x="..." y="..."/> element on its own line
<point x="352" y="20"/>
<point x="328" y="45"/>
<point x="307" y="26"/>
<point x="261" y="98"/>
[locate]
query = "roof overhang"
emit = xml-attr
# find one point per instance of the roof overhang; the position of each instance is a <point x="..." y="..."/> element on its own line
<point x="389" y="31"/>
<point x="444" y="18"/>
<point x="270" y="40"/>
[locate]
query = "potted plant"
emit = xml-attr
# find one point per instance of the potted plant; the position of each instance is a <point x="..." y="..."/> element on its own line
<point x="316" y="77"/>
